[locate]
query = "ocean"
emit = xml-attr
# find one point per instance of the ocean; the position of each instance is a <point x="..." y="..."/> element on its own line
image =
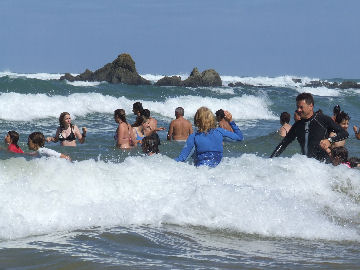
<point x="119" y="209"/>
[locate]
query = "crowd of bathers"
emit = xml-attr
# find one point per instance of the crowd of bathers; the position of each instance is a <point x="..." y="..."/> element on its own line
<point x="320" y="136"/>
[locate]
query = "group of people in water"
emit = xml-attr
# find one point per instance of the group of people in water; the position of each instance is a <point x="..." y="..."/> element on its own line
<point x="320" y="136"/>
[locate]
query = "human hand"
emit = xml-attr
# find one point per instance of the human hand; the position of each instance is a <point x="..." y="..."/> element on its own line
<point x="228" y="116"/>
<point x="355" y="129"/>
<point x="325" y="144"/>
<point x="49" y="139"/>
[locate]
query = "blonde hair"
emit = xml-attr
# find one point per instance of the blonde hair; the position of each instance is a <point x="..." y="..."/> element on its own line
<point x="204" y="119"/>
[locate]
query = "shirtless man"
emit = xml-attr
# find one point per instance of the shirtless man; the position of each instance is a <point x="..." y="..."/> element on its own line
<point x="180" y="128"/>
<point x="220" y="117"/>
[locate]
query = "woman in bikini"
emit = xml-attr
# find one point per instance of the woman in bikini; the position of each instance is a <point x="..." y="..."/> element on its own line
<point x="285" y="126"/>
<point x="124" y="134"/>
<point x="67" y="133"/>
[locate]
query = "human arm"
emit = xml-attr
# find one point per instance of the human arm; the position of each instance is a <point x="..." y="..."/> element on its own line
<point x="237" y="134"/>
<point x="54" y="139"/>
<point x="171" y="130"/>
<point x="357" y="133"/>
<point x="79" y="136"/>
<point x="189" y="145"/>
<point x="65" y="157"/>
<point x="341" y="134"/>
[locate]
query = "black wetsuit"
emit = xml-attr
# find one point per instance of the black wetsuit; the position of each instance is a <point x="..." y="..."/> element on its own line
<point x="310" y="132"/>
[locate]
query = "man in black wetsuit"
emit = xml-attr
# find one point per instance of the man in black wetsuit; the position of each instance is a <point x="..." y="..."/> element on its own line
<point x="312" y="131"/>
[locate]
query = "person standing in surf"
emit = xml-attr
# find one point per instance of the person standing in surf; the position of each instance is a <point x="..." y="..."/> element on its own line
<point x="180" y="128"/>
<point x="312" y="131"/>
<point x="208" y="140"/>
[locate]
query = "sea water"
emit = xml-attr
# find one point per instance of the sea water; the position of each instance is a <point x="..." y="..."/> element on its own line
<point x="112" y="208"/>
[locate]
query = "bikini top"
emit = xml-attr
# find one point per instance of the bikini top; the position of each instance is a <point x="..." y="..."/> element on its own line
<point x="69" y="138"/>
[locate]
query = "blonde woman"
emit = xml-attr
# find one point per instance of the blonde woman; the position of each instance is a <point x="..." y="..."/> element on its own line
<point x="208" y="140"/>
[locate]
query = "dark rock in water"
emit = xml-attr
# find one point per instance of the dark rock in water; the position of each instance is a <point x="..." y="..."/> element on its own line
<point x="348" y="85"/>
<point x="121" y="70"/>
<point x="207" y="78"/>
<point x="238" y="84"/>
<point x="169" y="81"/>
<point x="314" y="84"/>
<point x="296" y="80"/>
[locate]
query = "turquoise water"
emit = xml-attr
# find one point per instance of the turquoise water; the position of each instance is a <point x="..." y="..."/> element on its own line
<point x="110" y="208"/>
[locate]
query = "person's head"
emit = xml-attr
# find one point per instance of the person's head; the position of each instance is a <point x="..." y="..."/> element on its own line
<point x="150" y="144"/>
<point x="305" y="105"/>
<point x="296" y="116"/>
<point x="137" y="108"/>
<point x="36" y="140"/>
<point x="204" y="119"/>
<point x="146" y="113"/>
<point x="336" y="110"/>
<point x="342" y="118"/>
<point x="220" y="115"/>
<point x="119" y="114"/>
<point x="179" y="111"/>
<point x="339" y="155"/>
<point x="284" y="118"/>
<point x="138" y="121"/>
<point x="12" y="137"/>
<point x="65" y="120"/>
<point x="145" y="122"/>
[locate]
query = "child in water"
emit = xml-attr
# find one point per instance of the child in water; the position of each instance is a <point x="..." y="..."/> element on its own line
<point x="12" y="139"/>
<point x="150" y="144"/>
<point x="36" y="142"/>
<point x="339" y="156"/>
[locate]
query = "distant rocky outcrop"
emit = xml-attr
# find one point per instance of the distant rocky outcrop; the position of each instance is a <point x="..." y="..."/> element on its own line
<point x="121" y="70"/>
<point x="240" y="84"/>
<point x="208" y="77"/>
<point x="332" y="85"/>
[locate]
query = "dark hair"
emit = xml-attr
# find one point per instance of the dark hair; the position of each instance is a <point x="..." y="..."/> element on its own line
<point x="341" y="153"/>
<point x="138" y="121"/>
<point x="342" y="116"/>
<point x="37" y="138"/>
<point x="150" y="144"/>
<point x="354" y="161"/>
<point x="307" y="97"/>
<point x="137" y="107"/>
<point x="179" y="111"/>
<point x="284" y="117"/>
<point x="146" y="113"/>
<point x="61" y="120"/>
<point x="121" y="114"/>
<point x="14" y="136"/>
<point x="220" y="114"/>
<point x="336" y="110"/>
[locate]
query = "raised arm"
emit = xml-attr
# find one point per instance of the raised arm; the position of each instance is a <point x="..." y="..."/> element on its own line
<point x="285" y="142"/>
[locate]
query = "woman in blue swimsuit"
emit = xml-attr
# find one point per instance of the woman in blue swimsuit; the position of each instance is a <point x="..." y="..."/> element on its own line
<point x="208" y="140"/>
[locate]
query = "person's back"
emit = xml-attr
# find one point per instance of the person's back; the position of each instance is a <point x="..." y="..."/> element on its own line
<point x="180" y="128"/>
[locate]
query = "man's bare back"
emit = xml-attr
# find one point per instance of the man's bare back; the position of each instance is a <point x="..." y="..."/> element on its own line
<point x="179" y="129"/>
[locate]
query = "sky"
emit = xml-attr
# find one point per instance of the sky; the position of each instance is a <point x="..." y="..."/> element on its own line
<point x="235" y="37"/>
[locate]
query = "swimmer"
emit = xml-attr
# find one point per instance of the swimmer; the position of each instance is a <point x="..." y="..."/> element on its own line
<point x="220" y="117"/>
<point x="67" y="133"/>
<point x="36" y="142"/>
<point x="285" y="126"/>
<point x="138" y="128"/>
<point x="342" y="119"/>
<point x="208" y="139"/>
<point x="339" y="155"/>
<point x="137" y="108"/>
<point x="151" y="125"/>
<point x="11" y="139"/>
<point x="150" y="144"/>
<point x="124" y="134"/>
<point x="180" y="128"/>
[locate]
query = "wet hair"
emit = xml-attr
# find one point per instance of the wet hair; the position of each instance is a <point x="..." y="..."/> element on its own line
<point x="354" y="162"/>
<point x="150" y="144"/>
<point x="137" y="107"/>
<point x="14" y="136"/>
<point x="284" y="117"/>
<point x="220" y="114"/>
<point x="341" y="153"/>
<point x="37" y="138"/>
<point x="61" y="120"/>
<point x="307" y="97"/>
<point x="336" y="110"/>
<point x="138" y="121"/>
<point x="204" y="119"/>
<point x="342" y="116"/>
<point x="146" y="113"/>
<point x="179" y="111"/>
<point x="121" y="114"/>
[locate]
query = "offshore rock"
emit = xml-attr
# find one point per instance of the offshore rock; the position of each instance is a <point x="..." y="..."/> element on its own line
<point x="169" y="81"/>
<point x="121" y="70"/>
<point x="207" y="78"/>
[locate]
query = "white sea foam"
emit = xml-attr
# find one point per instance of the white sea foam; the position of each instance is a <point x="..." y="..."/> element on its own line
<point x="39" y="76"/>
<point x="84" y="83"/>
<point x="319" y="91"/>
<point x="25" y="107"/>
<point x="249" y="194"/>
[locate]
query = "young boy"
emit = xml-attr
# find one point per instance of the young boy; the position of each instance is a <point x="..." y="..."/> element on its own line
<point x="36" y="142"/>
